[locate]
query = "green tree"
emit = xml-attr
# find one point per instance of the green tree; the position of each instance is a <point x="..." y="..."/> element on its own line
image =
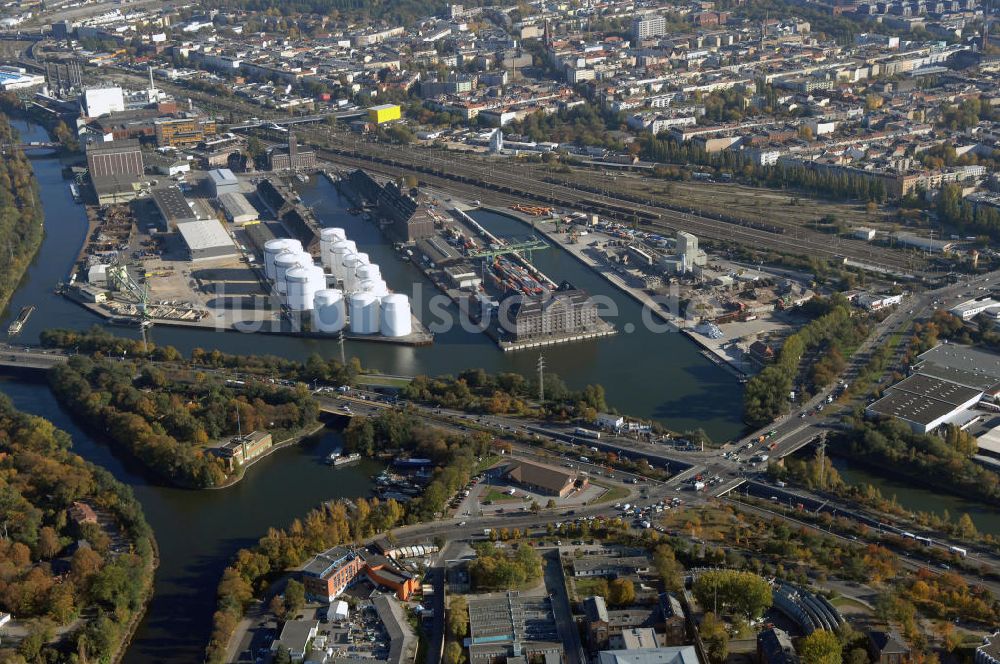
<point x="458" y="617"/>
<point x="621" y="592"/>
<point x="857" y="656"/>
<point x="820" y="647"/>
<point x="742" y="592"/>
<point x="453" y="653"/>
<point x="714" y="636"/>
<point x="295" y="597"/>
<point x="282" y="656"/>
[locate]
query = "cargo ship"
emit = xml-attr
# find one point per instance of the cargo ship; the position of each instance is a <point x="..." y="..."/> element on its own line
<point x="22" y="317"/>
<point x="130" y="321"/>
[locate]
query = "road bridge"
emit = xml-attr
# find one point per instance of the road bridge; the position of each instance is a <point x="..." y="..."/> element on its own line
<point x="30" y="359"/>
<point x="305" y="119"/>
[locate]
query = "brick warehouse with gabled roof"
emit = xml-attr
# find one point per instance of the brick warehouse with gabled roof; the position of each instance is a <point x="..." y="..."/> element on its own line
<point x="544" y="479"/>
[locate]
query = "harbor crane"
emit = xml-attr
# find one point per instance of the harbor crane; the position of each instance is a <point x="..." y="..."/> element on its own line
<point x="122" y="281"/>
<point x="493" y="251"/>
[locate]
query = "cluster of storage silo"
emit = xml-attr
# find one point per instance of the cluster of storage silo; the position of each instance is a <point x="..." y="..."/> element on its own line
<point x="362" y="300"/>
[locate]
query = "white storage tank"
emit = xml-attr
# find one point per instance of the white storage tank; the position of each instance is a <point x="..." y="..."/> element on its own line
<point x="364" y="310"/>
<point x="369" y="271"/>
<point x="380" y="289"/>
<point x="285" y="262"/>
<point x="363" y="257"/>
<point x="376" y="287"/>
<point x="274" y="247"/>
<point x="327" y="238"/>
<point x="302" y="283"/>
<point x="349" y="269"/>
<point x="352" y="245"/>
<point x="340" y="250"/>
<point x="395" y="315"/>
<point x="329" y="311"/>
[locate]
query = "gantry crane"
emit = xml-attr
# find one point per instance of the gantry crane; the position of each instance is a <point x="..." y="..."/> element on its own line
<point x="490" y="253"/>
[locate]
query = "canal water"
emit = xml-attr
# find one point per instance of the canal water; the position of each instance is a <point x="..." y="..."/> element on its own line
<point x="660" y="376"/>
<point x="918" y="499"/>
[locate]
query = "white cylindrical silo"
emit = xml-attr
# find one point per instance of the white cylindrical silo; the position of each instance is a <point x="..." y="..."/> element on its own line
<point x="296" y="281"/>
<point x="363" y="257"/>
<point x="329" y="311"/>
<point x="285" y="262"/>
<point x="380" y="289"/>
<point x="370" y="271"/>
<point x="302" y="283"/>
<point x="395" y="316"/>
<point x="274" y="247"/>
<point x="352" y="245"/>
<point x="340" y="250"/>
<point x="364" y="310"/>
<point x="349" y="269"/>
<point x="327" y="238"/>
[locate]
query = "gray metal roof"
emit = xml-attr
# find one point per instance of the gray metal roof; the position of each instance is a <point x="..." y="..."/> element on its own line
<point x="965" y="358"/>
<point x="672" y="655"/>
<point x="237" y="205"/>
<point x="222" y="176"/>
<point x="173" y="205"/>
<point x="204" y="234"/>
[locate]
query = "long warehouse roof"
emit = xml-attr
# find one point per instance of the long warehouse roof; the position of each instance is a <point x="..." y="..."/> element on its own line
<point x="204" y="234"/>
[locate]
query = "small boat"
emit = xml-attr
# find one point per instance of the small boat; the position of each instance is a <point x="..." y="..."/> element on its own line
<point x="22" y="317"/>
<point x="337" y="460"/>
<point x="302" y="177"/>
<point x="74" y="190"/>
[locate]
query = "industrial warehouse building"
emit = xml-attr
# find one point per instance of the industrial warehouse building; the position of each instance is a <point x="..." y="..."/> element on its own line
<point x="114" y="158"/>
<point x="543" y="479"/>
<point x="206" y="239"/>
<point x="926" y="402"/>
<point x="948" y="380"/>
<point x="237" y="208"/>
<point x="222" y="181"/>
<point x="173" y="207"/>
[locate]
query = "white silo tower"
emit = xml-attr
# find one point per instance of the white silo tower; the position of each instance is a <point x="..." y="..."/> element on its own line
<point x="340" y="250"/>
<point x="329" y="311"/>
<point x="395" y="316"/>
<point x="285" y="262"/>
<point x="327" y="238"/>
<point x="302" y="283"/>
<point x="364" y="310"/>
<point x="369" y="271"/>
<point x="274" y="247"/>
<point x="349" y="268"/>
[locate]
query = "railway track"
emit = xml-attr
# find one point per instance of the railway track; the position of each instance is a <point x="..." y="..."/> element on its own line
<point x="480" y="176"/>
